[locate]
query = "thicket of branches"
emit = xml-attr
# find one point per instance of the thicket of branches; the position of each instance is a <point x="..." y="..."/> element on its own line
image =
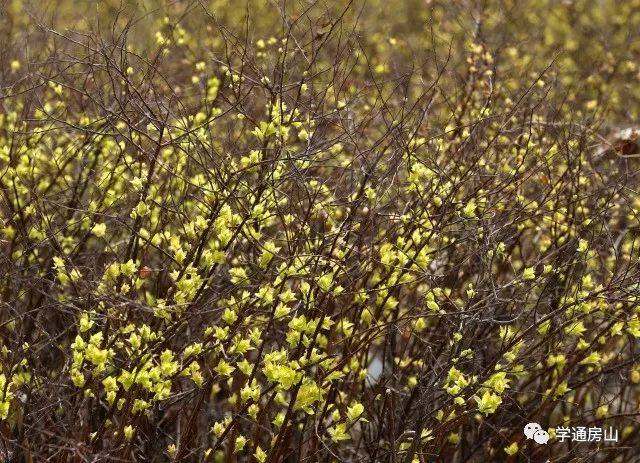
<point x="317" y="231"/>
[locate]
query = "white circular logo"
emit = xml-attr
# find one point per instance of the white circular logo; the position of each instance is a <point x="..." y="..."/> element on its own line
<point x="534" y="431"/>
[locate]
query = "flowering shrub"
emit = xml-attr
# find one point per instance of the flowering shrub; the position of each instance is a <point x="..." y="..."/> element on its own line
<point x="317" y="232"/>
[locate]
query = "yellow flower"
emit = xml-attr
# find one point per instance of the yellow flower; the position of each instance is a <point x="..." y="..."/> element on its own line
<point x="241" y="441"/>
<point x="99" y="229"/>
<point x="229" y="316"/>
<point x="270" y="249"/>
<point x="633" y="327"/>
<point x="338" y="432"/>
<point x="77" y="377"/>
<point x="224" y="368"/>
<point x="583" y="245"/>
<point x="512" y="449"/>
<point x="218" y="428"/>
<point x="469" y="209"/>
<point x="355" y="411"/>
<point x="128" y="432"/>
<point x="488" y="403"/>
<point x="528" y="273"/>
<point x="260" y="455"/>
<point x="602" y="411"/>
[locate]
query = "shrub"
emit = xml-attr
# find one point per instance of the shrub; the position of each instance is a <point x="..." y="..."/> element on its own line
<point x="317" y="232"/>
